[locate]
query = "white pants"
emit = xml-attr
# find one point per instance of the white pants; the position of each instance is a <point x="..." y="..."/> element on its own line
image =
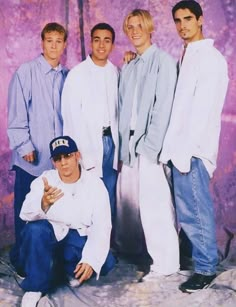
<point x="158" y="217"/>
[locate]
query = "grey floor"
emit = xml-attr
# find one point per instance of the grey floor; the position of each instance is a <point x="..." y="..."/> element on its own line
<point x="121" y="288"/>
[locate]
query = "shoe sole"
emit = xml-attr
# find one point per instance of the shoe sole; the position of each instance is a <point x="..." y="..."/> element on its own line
<point x="193" y="291"/>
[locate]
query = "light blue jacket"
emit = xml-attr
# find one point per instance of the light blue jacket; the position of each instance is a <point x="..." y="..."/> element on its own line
<point x="34" y="113"/>
<point x="156" y="79"/>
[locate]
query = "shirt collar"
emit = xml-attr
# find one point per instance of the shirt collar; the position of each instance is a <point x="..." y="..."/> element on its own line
<point x="200" y="43"/>
<point x="46" y="67"/>
<point x="147" y="53"/>
<point x="97" y="67"/>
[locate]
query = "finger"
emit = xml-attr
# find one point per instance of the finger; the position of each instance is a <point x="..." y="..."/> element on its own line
<point x="45" y="182"/>
<point x="56" y="192"/>
<point x="31" y="157"/>
<point x="77" y="267"/>
<point x="86" y="275"/>
<point x="58" y="197"/>
<point x="79" y="270"/>
<point x="54" y="198"/>
<point x="27" y="158"/>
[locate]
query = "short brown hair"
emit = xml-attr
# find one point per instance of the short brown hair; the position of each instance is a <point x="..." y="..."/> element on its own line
<point x="53" y="26"/>
<point x="145" y="16"/>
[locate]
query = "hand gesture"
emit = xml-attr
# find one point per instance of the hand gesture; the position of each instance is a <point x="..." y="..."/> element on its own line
<point x="50" y="195"/>
<point x="83" y="271"/>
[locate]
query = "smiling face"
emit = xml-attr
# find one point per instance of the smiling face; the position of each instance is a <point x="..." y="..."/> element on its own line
<point x="53" y="46"/>
<point x="137" y="33"/>
<point x="102" y="46"/>
<point x="188" y="26"/>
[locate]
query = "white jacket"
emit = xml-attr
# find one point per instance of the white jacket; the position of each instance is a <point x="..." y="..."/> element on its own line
<point x="195" y="121"/>
<point x="85" y="207"/>
<point x="83" y="103"/>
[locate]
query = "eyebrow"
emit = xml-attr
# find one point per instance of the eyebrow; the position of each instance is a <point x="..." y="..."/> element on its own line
<point x="98" y="37"/>
<point x="185" y="17"/>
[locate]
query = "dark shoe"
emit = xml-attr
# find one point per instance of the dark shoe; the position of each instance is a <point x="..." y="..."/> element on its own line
<point x="196" y="282"/>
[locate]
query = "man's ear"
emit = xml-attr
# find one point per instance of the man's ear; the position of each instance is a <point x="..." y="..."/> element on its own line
<point x="78" y="155"/>
<point x="200" y="21"/>
<point x="53" y="163"/>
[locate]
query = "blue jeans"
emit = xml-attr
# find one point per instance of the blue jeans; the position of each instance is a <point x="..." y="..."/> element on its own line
<point x="195" y="214"/>
<point x="23" y="181"/>
<point x="109" y="173"/>
<point x="43" y="259"/>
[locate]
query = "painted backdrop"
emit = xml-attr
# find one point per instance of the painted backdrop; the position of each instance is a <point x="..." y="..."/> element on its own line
<point x="21" y="22"/>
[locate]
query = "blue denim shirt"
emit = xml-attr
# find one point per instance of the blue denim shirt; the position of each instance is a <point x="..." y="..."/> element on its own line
<point x="34" y="112"/>
<point x="156" y="77"/>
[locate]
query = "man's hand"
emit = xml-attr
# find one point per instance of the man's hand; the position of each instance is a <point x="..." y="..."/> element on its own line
<point x="30" y="157"/>
<point x="129" y="56"/>
<point x="50" y="195"/>
<point x="83" y="271"/>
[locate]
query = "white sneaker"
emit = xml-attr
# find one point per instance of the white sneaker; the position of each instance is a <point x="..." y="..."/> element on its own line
<point x="152" y="276"/>
<point x="30" y="299"/>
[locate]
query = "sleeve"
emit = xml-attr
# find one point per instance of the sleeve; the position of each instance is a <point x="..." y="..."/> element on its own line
<point x="74" y="123"/>
<point x="98" y="243"/>
<point x="31" y="209"/>
<point x="19" y="98"/>
<point x="121" y="91"/>
<point x="151" y="143"/>
<point x="209" y="97"/>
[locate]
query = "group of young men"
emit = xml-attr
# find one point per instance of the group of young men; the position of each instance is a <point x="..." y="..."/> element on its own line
<point x="155" y="119"/>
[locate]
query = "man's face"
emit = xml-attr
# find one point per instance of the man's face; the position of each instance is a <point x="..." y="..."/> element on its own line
<point x="187" y="25"/>
<point x="102" y="46"/>
<point x="53" y="46"/>
<point x="67" y="166"/>
<point x="139" y="37"/>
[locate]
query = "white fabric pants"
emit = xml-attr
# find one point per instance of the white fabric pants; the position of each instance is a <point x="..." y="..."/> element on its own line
<point x="158" y="217"/>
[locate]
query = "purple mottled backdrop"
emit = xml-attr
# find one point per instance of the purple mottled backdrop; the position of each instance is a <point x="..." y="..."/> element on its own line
<point x="21" y="22"/>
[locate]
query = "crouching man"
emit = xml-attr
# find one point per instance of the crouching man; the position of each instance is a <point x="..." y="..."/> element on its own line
<point x="68" y="225"/>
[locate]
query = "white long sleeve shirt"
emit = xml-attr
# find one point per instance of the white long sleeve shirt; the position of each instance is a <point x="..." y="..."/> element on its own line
<point x="195" y="122"/>
<point x="90" y="102"/>
<point x="84" y="207"/>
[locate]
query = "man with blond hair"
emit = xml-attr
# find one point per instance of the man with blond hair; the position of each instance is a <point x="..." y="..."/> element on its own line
<point x="145" y="99"/>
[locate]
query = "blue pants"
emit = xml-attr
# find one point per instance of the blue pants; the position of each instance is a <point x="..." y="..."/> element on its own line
<point x="43" y="259"/>
<point x="195" y="214"/>
<point x="109" y="173"/>
<point x="21" y="188"/>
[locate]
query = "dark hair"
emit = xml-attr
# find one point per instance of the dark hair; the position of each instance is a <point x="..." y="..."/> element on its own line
<point x="53" y="26"/>
<point x="103" y="26"/>
<point x="192" y="5"/>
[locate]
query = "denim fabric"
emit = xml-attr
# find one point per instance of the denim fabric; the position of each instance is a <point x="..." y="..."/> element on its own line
<point x="21" y="188"/>
<point x="195" y="214"/>
<point x="43" y="258"/>
<point x="23" y="181"/>
<point x="109" y="173"/>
